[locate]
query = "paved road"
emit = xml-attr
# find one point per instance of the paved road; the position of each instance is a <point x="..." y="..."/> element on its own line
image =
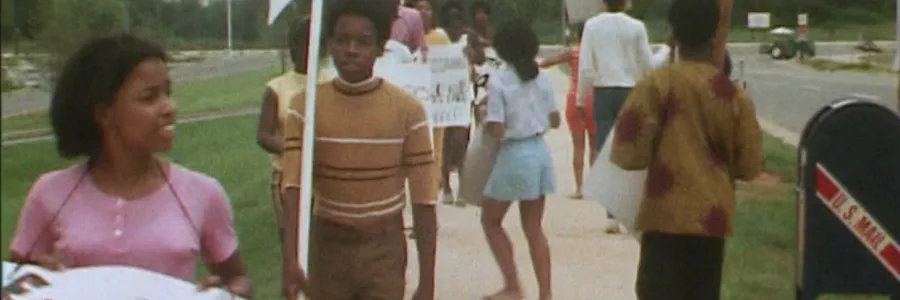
<point x="787" y="94"/>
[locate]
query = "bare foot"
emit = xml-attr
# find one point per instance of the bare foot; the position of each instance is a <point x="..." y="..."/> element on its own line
<point x="505" y="294"/>
<point x="576" y="196"/>
<point x="612" y="227"/>
<point x="448" y="199"/>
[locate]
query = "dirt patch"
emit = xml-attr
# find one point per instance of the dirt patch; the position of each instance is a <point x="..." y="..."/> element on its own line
<point x="767" y="179"/>
<point x="767" y="187"/>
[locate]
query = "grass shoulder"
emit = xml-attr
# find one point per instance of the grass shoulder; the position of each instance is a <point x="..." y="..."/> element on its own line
<point x="219" y="94"/>
<point x="761" y="254"/>
<point x="872" y="63"/>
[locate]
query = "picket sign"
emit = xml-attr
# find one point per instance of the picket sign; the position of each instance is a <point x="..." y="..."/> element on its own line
<point x="102" y="282"/>
<point x="451" y="90"/>
<point x="619" y="191"/>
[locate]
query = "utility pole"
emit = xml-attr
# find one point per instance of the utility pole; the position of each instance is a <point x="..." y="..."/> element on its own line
<point x="228" y="17"/>
<point x="565" y="24"/>
<point x="897" y="48"/>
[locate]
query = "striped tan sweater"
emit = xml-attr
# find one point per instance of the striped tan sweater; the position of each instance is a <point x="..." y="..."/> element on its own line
<point x="366" y="147"/>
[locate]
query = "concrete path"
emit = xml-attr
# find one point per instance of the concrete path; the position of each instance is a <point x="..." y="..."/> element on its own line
<point x="587" y="263"/>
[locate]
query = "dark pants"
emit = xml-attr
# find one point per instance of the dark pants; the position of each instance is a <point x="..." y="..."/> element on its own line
<point x="679" y="267"/>
<point x="607" y="103"/>
<point x="347" y="263"/>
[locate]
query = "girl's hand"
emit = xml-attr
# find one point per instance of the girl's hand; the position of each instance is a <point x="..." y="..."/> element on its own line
<point x="240" y="286"/>
<point x="50" y="262"/>
<point x="480" y="113"/>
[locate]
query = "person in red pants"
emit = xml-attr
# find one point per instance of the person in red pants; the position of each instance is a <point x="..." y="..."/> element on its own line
<point x="580" y="122"/>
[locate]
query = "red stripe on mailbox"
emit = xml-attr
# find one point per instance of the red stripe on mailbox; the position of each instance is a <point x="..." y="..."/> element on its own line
<point x="826" y="188"/>
<point x="887" y="251"/>
<point x="891" y="256"/>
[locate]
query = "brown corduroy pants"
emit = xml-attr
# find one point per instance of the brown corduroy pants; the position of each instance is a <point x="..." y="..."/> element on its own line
<point x="347" y="263"/>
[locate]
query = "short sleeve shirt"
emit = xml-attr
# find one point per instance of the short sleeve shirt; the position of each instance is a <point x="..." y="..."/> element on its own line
<point x="522" y="107"/>
<point x="165" y="231"/>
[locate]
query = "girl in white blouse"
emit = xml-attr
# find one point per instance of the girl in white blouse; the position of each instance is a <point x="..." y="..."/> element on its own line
<point x="521" y="108"/>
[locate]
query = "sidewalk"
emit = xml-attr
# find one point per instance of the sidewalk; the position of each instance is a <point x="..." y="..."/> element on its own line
<point x="587" y="263"/>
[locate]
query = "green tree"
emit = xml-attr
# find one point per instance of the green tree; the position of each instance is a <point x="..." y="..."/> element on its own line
<point x="30" y="16"/>
<point x="8" y="30"/>
<point x="73" y="22"/>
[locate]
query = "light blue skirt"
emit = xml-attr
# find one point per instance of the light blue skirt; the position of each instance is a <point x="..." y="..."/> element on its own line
<point x="523" y="170"/>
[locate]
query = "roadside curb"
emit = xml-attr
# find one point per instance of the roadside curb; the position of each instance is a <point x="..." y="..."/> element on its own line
<point x="37" y="135"/>
<point x="44" y="134"/>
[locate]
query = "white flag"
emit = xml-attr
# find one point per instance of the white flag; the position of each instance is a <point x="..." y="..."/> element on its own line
<point x="275" y="9"/>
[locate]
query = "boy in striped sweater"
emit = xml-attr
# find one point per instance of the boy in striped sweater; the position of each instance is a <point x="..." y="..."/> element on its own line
<point x="371" y="138"/>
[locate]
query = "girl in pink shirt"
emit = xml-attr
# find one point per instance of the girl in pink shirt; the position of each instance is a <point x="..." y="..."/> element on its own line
<point x="125" y="205"/>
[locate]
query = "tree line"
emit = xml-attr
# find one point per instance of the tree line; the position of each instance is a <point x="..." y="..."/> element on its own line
<point x="185" y="24"/>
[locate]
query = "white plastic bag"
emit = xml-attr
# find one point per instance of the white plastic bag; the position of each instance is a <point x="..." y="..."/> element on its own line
<point x="619" y="191"/>
<point x="478" y="165"/>
<point x="107" y="282"/>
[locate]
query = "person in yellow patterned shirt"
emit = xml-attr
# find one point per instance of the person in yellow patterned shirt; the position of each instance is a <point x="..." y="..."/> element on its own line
<point x="695" y="132"/>
<point x="276" y="100"/>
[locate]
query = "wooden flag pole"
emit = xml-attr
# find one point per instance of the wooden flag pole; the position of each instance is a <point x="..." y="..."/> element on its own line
<point x="306" y="189"/>
<point x="721" y="39"/>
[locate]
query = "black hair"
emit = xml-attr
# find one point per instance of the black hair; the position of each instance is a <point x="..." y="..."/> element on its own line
<point x="479" y="5"/>
<point x="727" y="65"/>
<point x="411" y="3"/>
<point x="517" y="44"/>
<point x="90" y="79"/>
<point x="452" y="10"/>
<point x="694" y="22"/>
<point x="578" y="29"/>
<point x="380" y="12"/>
<point x="615" y="5"/>
<point x="298" y="38"/>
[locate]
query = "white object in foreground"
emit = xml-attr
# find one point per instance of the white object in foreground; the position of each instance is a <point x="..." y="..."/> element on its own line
<point x="619" y="191"/>
<point x="476" y="171"/>
<point x="107" y="282"/>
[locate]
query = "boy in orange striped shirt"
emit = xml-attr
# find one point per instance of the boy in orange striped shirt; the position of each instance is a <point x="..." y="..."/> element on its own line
<point x="371" y="138"/>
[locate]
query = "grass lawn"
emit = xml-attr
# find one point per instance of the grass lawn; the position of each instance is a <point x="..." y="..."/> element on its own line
<point x="760" y="255"/>
<point x="884" y="59"/>
<point x="879" y="63"/>
<point x="232" y="92"/>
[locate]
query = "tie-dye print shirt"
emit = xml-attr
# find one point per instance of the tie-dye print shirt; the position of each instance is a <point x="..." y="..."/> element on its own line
<point x="695" y="132"/>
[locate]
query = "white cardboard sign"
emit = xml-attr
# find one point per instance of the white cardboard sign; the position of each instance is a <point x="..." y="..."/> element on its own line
<point x="758" y="20"/>
<point x="102" y="282"/>
<point x="621" y="192"/>
<point x="451" y="89"/>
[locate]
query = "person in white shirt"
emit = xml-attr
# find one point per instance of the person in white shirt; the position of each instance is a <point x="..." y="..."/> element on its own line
<point x="614" y="54"/>
<point x="521" y="109"/>
<point x="395" y="52"/>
